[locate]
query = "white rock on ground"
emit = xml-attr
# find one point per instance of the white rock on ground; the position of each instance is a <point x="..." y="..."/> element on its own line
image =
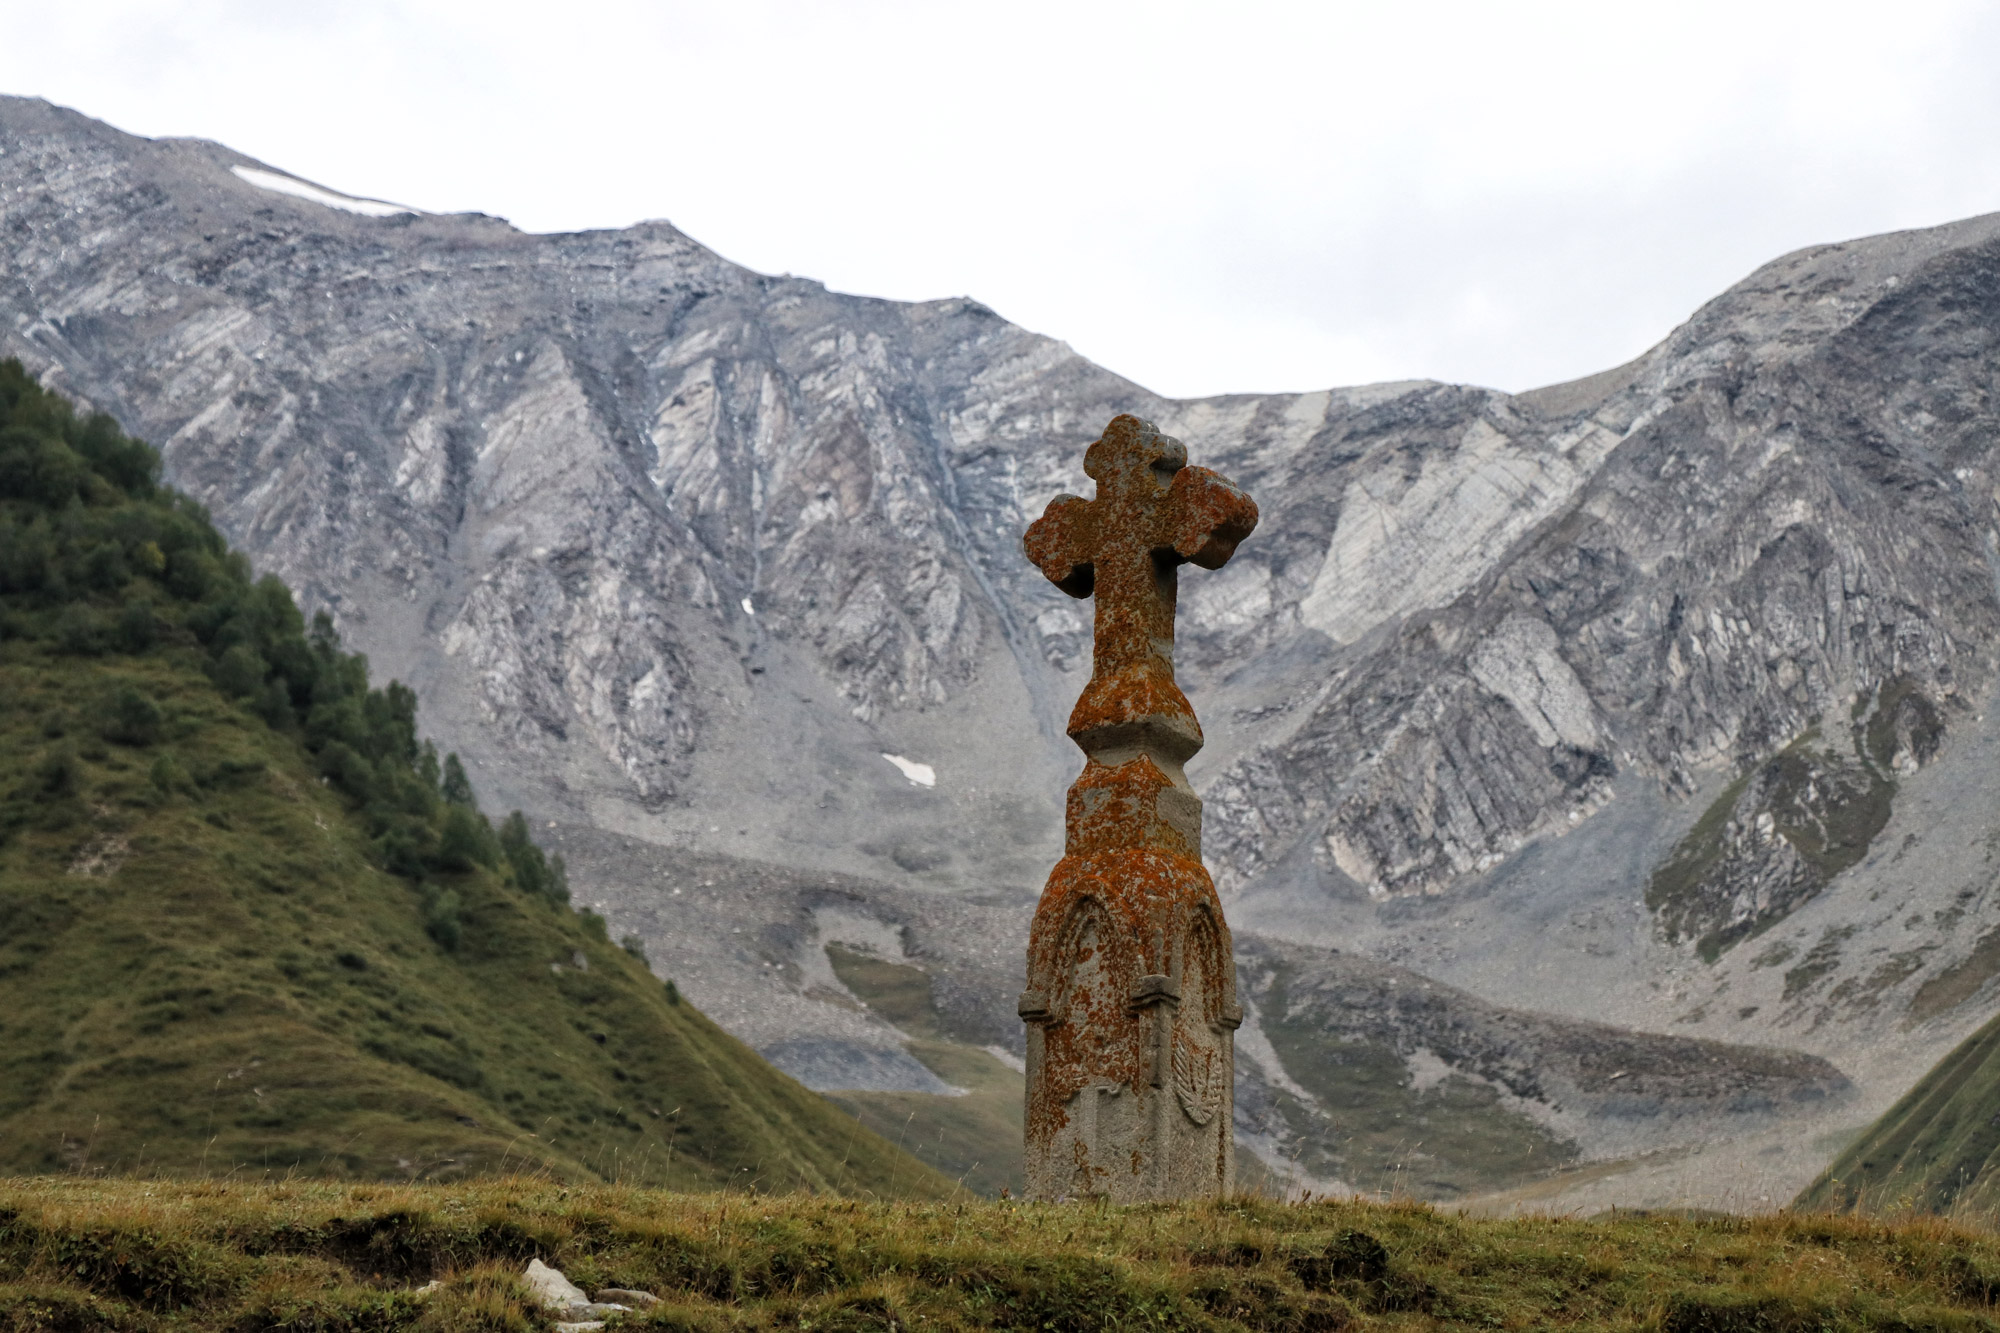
<point x="551" y="1288"/>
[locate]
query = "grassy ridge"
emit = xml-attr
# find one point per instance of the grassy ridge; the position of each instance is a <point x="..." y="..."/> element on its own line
<point x="1935" y="1151"/>
<point x="249" y="921"/>
<point x="141" y="1256"/>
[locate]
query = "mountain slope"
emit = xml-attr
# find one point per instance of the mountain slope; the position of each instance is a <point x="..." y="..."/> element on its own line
<point x="206" y="960"/>
<point x="1658" y="699"/>
<point x="1935" y="1151"/>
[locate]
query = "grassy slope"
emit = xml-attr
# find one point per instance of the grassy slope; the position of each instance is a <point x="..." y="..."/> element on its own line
<point x="140" y="1256"/>
<point x="1935" y="1151"/>
<point x="217" y="976"/>
<point x="206" y="963"/>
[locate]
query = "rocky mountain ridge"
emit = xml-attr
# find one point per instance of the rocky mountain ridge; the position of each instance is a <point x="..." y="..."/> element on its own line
<point x="1672" y="656"/>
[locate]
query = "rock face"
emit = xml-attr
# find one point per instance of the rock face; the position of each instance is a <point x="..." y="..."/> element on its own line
<point x="1558" y="697"/>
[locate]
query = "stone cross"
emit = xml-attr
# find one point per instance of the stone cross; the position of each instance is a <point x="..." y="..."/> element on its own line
<point x="1131" y="1000"/>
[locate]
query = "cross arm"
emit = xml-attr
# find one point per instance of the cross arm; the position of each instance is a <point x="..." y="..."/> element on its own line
<point x="1059" y="544"/>
<point x="1209" y="516"/>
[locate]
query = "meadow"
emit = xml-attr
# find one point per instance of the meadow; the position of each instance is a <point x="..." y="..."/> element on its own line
<point x="129" y="1254"/>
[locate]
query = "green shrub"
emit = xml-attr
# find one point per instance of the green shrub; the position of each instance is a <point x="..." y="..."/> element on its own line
<point x="132" y="719"/>
<point x="274" y="704"/>
<point x="466" y="840"/>
<point x="533" y="871"/>
<point x="104" y="568"/>
<point x="80" y="631"/>
<point x="137" y="627"/>
<point x="168" y="777"/>
<point x="442" y="921"/>
<point x="240" y="671"/>
<point x="60" y="772"/>
<point x="24" y="557"/>
<point x="38" y="469"/>
<point x="457" y="788"/>
<point x="191" y="573"/>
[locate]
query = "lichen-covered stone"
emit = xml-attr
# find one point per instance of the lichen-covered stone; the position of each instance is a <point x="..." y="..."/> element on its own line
<point x="1131" y="1000"/>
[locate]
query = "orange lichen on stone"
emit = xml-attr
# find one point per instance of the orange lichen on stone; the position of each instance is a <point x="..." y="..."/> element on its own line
<point x="1131" y="1000"/>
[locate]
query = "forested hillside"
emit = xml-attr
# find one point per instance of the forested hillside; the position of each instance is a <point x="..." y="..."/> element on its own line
<point x="249" y="919"/>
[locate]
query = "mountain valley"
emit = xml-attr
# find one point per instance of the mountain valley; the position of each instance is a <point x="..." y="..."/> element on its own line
<point x="1638" y="725"/>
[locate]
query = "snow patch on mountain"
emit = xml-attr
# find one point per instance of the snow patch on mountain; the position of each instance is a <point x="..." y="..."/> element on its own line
<point x="298" y="189"/>
<point x="922" y="775"/>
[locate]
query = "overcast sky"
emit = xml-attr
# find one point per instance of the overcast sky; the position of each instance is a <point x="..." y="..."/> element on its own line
<point x="1206" y="198"/>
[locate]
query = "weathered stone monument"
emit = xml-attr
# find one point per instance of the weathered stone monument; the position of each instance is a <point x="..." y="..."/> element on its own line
<point x="1131" y="1000"/>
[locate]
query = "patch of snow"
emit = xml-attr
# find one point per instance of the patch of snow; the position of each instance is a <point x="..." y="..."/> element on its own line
<point x="298" y="189"/>
<point x="922" y="775"/>
<point x="1057" y="620"/>
<point x="748" y="609"/>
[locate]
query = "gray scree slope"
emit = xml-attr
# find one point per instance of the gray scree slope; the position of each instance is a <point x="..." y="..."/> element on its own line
<point x="677" y="552"/>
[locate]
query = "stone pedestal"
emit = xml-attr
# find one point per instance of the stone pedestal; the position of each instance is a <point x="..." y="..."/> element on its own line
<point x="1131" y="1014"/>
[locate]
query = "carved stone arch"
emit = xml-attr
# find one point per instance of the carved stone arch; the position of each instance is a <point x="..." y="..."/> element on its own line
<point x="1084" y="972"/>
<point x="1208" y="980"/>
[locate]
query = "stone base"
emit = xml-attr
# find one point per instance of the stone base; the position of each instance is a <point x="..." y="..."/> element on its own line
<point x="1131" y="1007"/>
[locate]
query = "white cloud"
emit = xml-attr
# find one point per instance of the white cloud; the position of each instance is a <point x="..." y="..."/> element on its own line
<point x="1206" y="198"/>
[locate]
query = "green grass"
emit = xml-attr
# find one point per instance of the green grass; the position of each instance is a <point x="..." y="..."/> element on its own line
<point x="1960" y="982"/>
<point x="1828" y="800"/>
<point x="146" y="1255"/>
<point x="1675" y="894"/>
<point x="214" y="975"/>
<point x="1935" y="1151"/>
